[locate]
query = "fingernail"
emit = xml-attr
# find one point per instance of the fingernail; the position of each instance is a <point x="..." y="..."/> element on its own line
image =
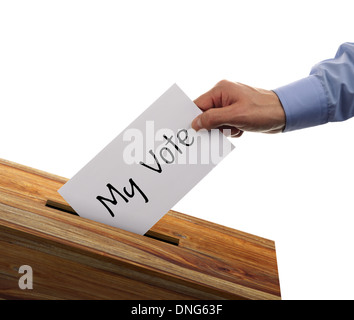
<point x="237" y="134"/>
<point x="196" y="124"/>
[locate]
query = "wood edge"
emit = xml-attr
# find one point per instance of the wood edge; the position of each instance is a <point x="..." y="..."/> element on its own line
<point x="38" y="172"/>
<point x="224" y="229"/>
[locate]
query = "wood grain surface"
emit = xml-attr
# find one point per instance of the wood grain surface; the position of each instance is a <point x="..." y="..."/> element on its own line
<point x="76" y="258"/>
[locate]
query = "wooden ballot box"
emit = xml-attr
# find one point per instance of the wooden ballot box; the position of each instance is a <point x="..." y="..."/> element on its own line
<point x="71" y="257"/>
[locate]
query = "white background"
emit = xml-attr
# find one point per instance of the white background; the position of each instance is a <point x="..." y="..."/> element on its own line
<point x="74" y="74"/>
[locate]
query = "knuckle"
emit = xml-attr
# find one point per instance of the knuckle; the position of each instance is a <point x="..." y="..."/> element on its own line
<point x="223" y="83"/>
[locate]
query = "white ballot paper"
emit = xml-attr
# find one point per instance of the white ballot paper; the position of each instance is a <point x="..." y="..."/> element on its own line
<point x="147" y="168"/>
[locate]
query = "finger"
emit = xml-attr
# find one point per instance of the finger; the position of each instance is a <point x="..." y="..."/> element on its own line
<point x="209" y="99"/>
<point x="212" y="118"/>
<point x="231" y="131"/>
<point x="196" y="123"/>
<point x="237" y="134"/>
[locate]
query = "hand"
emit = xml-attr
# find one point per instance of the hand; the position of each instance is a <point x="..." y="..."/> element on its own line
<point x="240" y="108"/>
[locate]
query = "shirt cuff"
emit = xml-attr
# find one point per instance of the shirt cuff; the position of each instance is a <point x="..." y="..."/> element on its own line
<point x="304" y="103"/>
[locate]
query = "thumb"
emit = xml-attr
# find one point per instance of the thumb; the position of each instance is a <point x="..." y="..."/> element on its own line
<point x="213" y="118"/>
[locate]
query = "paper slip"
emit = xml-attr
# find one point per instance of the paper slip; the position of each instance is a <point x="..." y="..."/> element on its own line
<point x="148" y="168"/>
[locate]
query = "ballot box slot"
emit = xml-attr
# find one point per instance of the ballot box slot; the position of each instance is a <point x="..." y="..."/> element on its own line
<point x="150" y="234"/>
<point x="60" y="206"/>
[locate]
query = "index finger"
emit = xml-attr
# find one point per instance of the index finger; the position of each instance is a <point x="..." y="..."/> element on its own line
<point x="208" y="100"/>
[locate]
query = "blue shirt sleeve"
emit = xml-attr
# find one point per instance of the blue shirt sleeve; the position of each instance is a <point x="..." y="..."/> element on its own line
<point x="326" y="95"/>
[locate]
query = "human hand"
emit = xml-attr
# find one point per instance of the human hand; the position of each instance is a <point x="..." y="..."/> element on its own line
<point x="240" y="108"/>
